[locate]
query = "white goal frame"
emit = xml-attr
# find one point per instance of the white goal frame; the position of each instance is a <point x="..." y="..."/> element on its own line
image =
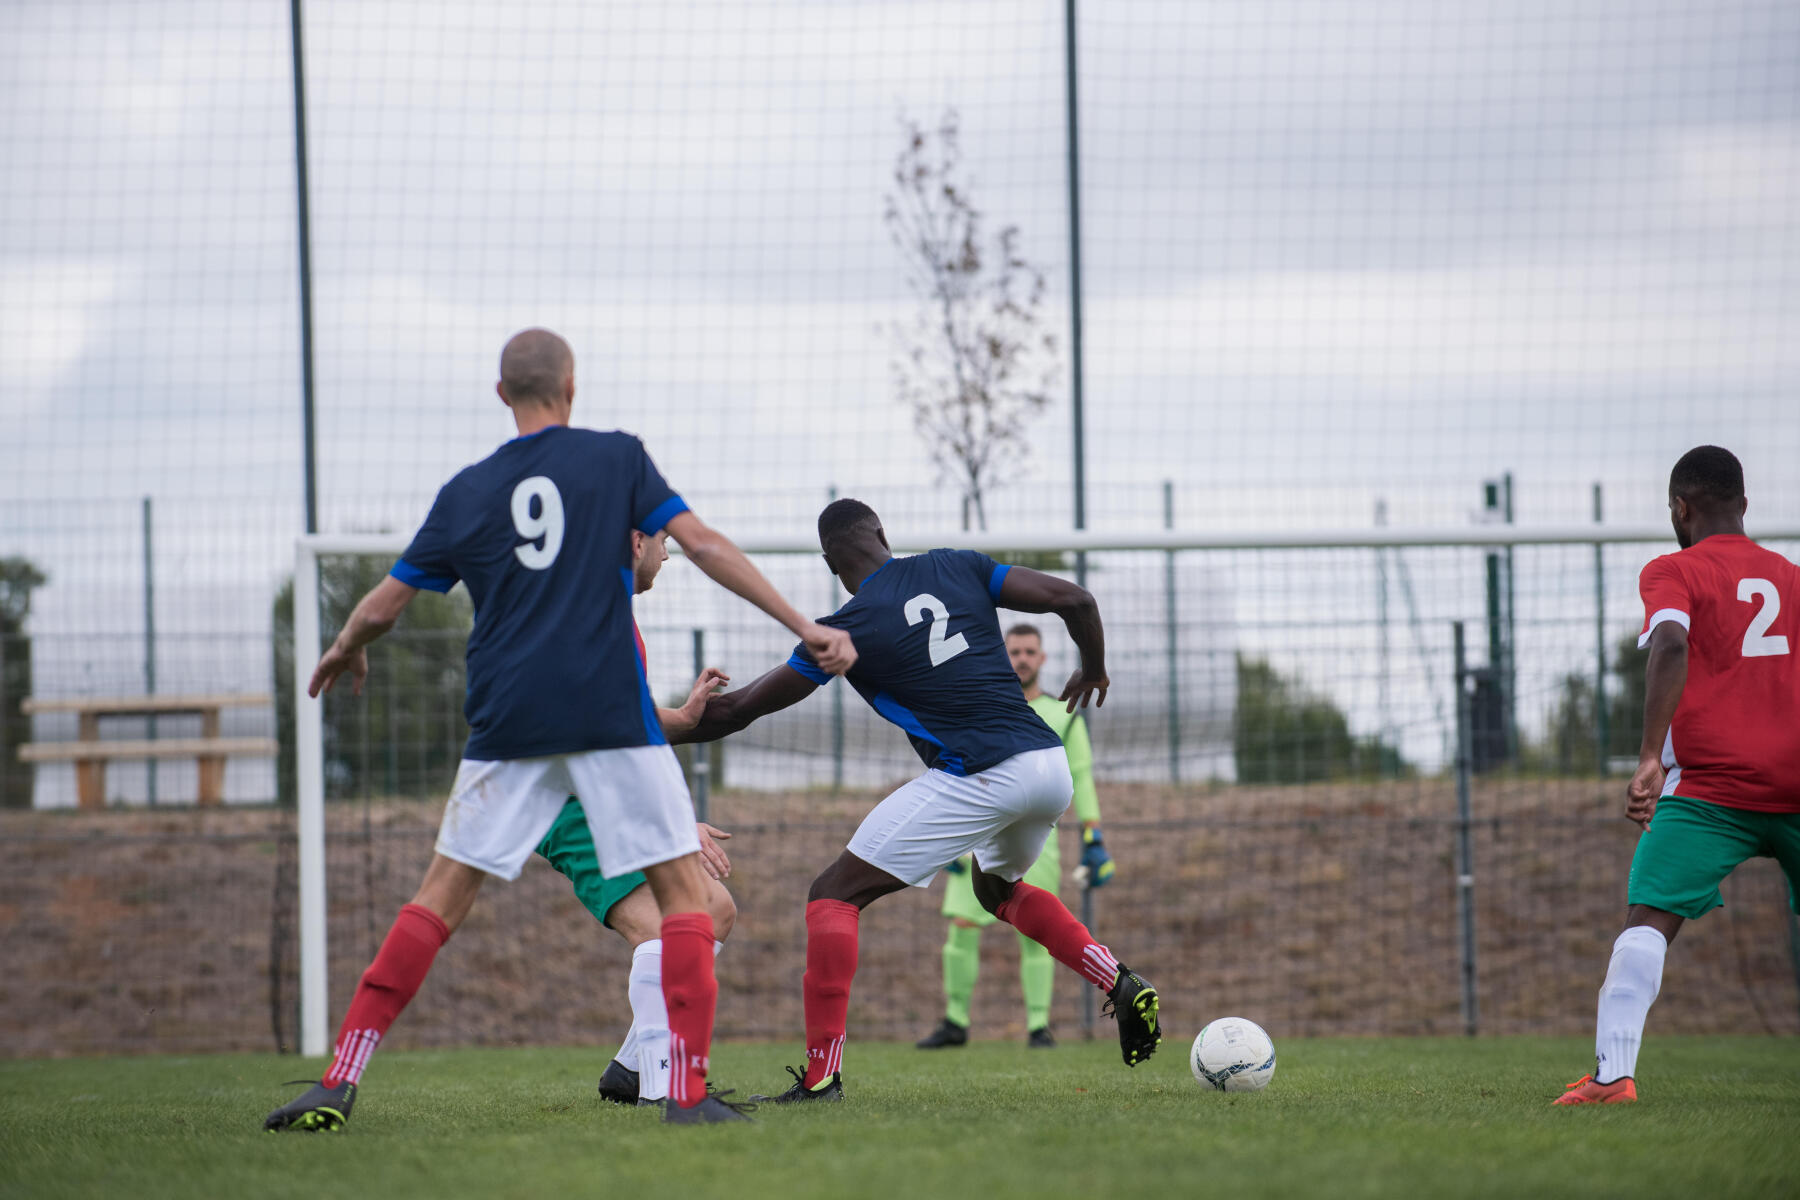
<point x="309" y="727"/>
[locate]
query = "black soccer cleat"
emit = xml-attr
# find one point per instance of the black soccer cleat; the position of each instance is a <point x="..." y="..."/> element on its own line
<point x="800" y="1093"/>
<point x="713" y="1110"/>
<point x="1040" y="1039"/>
<point x="947" y="1034"/>
<point x="619" y="1084"/>
<point x="1133" y="1003"/>
<point x="319" y="1109"/>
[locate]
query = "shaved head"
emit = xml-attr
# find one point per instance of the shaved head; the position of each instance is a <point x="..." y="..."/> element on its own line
<point x="1708" y="477"/>
<point x="536" y="367"/>
<point x="845" y="521"/>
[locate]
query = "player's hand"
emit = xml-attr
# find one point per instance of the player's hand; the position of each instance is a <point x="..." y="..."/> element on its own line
<point x="712" y="854"/>
<point x="830" y="648"/>
<point x="335" y="662"/>
<point x="1643" y="791"/>
<point x="1084" y="685"/>
<point x="710" y="681"/>
<point x="1096" y="867"/>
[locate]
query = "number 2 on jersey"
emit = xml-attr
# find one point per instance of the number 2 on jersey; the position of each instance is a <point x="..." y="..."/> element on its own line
<point x="547" y="525"/>
<point x="1757" y="642"/>
<point x="942" y="649"/>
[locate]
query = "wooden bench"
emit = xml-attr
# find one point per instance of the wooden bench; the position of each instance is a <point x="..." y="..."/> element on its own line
<point x="90" y="754"/>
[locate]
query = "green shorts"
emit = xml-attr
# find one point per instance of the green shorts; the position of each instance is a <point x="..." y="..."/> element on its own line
<point x="570" y="848"/>
<point x="1691" y="846"/>
<point x="959" y="894"/>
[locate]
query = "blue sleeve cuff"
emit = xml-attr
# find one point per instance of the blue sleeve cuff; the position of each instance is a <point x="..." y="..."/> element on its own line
<point x="411" y="576"/>
<point x="996" y="579"/>
<point x="805" y="666"/>
<point x="661" y="515"/>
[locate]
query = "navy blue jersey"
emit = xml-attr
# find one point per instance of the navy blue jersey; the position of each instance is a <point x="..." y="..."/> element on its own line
<point x="931" y="659"/>
<point x="540" y="531"/>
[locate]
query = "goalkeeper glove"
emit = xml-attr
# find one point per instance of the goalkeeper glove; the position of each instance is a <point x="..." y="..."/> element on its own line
<point x="1096" y="864"/>
<point x="958" y="867"/>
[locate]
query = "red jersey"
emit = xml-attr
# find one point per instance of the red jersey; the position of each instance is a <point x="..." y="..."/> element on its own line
<point x="1735" y="739"/>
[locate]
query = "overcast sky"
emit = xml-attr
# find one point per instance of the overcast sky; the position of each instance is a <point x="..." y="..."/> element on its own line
<point x="1332" y="251"/>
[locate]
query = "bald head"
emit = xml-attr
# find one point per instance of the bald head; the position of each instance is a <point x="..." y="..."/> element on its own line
<point x="537" y="367"/>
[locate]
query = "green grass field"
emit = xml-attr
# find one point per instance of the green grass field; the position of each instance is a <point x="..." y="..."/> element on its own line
<point x="1720" y="1116"/>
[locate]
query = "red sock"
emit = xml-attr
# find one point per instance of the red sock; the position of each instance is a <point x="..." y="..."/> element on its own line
<point x="1040" y="916"/>
<point x="830" y="966"/>
<point x="386" y="987"/>
<point x="691" y="993"/>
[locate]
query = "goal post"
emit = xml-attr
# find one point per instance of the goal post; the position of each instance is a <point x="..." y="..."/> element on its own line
<point x="314" y="1023"/>
<point x="309" y="802"/>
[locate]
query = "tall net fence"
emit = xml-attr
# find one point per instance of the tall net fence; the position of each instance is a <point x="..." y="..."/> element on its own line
<point x="1277" y="772"/>
<point x="1337" y="269"/>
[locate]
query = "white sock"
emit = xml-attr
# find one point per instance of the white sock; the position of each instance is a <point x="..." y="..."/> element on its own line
<point x="627" y="1053"/>
<point x="1633" y="978"/>
<point x="650" y="1020"/>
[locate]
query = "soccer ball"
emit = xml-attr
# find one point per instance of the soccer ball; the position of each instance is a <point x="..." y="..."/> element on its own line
<point x="1233" y="1055"/>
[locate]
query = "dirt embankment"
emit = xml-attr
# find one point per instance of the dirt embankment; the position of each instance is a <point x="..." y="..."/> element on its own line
<point x="1316" y="910"/>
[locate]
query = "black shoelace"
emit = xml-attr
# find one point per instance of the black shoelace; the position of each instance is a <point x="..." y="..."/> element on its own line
<point x="740" y="1107"/>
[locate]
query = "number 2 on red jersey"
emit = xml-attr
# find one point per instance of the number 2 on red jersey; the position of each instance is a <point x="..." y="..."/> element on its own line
<point x="1757" y="641"/>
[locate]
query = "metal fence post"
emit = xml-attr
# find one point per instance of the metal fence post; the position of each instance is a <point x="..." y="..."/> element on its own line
<point x="1509" y="669"/>
<point x="837" y="696"/>
<point x="1174" y="656"/>
<point x="150" y="644"/>
<point x="6" y="751"/>
<point x="1465" y="869"/>
<point x="1078" y="431"/>
<point x="303" y="237"/>
<point x="1602" y="718"/>
<point x="702" y="750"/>
<point x="1384" y="710"/>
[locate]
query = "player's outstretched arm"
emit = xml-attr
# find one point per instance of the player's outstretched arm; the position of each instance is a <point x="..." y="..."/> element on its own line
<point x="1026" y="590"/>
<point x="730" y="712"/>
<point x="677" y="720"/>
<point x="374" y="615"/>
<point x="1665" y="675"/>
<point x="719" y="558"/>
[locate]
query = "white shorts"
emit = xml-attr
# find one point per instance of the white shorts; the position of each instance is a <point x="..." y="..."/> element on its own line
<point x="1003" y="815"/>
<point x="635" y="798"/>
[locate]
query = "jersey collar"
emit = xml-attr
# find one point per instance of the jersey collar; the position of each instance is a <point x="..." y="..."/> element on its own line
<point x="872" y="574"/>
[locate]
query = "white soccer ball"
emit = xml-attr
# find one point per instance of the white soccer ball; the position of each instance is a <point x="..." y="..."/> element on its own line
<point x="1233" y="1055"/>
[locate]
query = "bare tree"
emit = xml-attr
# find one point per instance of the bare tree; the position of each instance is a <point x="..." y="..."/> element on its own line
<point x="974" y="363"/>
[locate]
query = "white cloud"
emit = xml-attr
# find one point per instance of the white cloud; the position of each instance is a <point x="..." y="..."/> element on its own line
<point x="1608" y="318"/>
<point x="53" y="309"/>
<point x="1739" y="177"/>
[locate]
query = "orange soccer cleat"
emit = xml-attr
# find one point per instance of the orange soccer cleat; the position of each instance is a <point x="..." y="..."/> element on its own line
<point x="1586" y="1091"/>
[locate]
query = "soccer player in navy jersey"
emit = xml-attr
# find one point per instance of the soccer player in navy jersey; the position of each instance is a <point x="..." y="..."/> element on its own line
<point x="931" y="660"/>
<point x="540" y="532"/>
